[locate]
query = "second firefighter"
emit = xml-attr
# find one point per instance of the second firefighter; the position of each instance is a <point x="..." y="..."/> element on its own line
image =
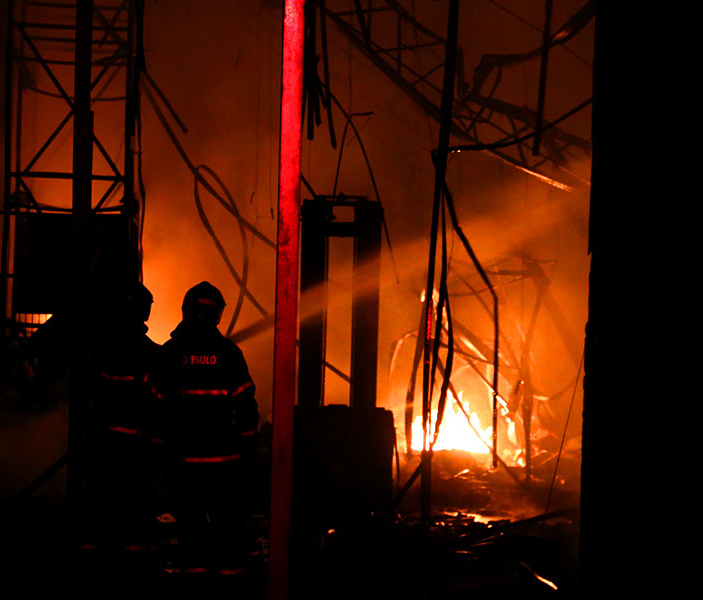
<point x="209" y="427"/>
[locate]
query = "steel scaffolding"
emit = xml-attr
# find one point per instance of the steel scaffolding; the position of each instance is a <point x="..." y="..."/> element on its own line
<point x="71" y="142"/>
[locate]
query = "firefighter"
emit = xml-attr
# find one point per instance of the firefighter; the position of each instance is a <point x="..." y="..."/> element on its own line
<point x="210" y="418"/>
<point x="120" y="484"/>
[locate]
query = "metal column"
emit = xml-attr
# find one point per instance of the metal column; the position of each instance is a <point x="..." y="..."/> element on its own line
<point x="318" y="226"/>
<point x="76" y="53"/>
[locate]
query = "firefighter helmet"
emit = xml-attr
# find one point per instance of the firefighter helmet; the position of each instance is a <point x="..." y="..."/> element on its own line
<point x="203" y="303"/>
<point x="138" y="301"/>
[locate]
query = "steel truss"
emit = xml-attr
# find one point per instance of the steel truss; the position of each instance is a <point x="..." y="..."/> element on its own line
<point x="398" y="44"/>
<point x="69" y="150"/>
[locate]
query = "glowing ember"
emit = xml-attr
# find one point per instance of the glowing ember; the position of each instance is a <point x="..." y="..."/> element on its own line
<point x="455" y="432"/>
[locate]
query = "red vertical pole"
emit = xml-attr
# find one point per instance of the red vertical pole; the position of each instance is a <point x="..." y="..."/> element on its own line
<point x="286" y="299"/>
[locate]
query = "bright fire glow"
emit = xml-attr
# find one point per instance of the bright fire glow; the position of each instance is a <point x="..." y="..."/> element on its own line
<point x="455" y="432"/>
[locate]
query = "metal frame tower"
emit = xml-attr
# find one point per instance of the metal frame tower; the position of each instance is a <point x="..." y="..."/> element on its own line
<point x="70" y="209"/>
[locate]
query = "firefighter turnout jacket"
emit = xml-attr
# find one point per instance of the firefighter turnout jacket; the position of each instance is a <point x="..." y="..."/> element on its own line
<point x="209" y="413"/>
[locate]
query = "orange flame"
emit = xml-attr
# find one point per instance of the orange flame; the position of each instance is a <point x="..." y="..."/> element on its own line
<point x="456" y="431"/>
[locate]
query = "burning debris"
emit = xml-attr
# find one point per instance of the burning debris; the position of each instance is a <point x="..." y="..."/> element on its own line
<point x="459" y="554"/>
<point x="487" y="424"/>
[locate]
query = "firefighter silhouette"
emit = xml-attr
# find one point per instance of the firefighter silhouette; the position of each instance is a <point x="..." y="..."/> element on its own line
<point x="210" y="419"/>
<point x="119" y="475"/>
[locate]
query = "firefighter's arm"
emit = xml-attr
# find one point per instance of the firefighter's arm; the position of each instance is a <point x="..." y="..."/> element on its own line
<point x="246" y="418"/>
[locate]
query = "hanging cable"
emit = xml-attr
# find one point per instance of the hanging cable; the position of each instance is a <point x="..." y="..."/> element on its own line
<point x="316" y="93"/>
<point x="326" y="71"/>
<point x="227" y="202"/>
<point x="139" y="70"/>
<point x="546" y="36"/>
<point x="524" y="138"/>
<point x="440" y="169"/>
<point x="563" y="438"/>
<point x="350" y="121"/>
<point x="142" y="188"/>
<point x="443" y="305"/>
<point x="496" y="320"/>
<point x="242" y="279"/>
<point x="347" y="125"/>
<point x="194" y="170"/>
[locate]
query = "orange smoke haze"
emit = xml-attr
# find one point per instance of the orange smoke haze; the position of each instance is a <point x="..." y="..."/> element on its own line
<point x="218" y="64"/>
<point x="219" y="67"/>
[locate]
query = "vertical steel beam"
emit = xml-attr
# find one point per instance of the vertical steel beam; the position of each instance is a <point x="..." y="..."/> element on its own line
<point x="82" y="125"/>
<point x="286" y="298"/>
<point x="82" y="242"/>
<point x="131" y="208"/>
<point x="440" y="170"/>
<point x="318" y="226"/>
<point x="367" y="250"/>
<point x="313" y="280"/>
<point x="6" y="26"/>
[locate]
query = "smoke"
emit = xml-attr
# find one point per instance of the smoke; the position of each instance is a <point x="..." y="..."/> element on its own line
<point x="218" y="65"/>
<point x="219" y="68"/>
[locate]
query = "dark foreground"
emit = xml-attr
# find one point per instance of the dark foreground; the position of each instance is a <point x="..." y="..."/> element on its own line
<point x="467" y="552"/>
